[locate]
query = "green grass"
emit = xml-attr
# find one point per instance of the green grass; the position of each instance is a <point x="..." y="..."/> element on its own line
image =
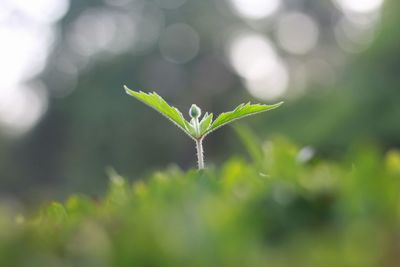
<point x="279" y="209"/>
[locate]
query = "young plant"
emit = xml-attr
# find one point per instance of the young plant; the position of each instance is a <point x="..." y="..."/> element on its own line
<point x="197" y="128"/>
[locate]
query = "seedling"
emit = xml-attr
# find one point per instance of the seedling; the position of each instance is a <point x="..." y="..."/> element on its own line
<point x="197" y="128"/>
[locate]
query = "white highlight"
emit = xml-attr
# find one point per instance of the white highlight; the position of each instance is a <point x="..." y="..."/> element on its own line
<point x="27" y="34"/>
<point x="305" y="154"/>
<point x="253" y="57"/>
<point x="21" y="108"/>
<point x="47" y="11"/>
<point x="98" y="30"/>
<point x="297" y="33"/>
<point x="23" y="52"/>
<point x="272" y="86"/>
<point x="359" y="6"/>
<point x="255" y="9"/>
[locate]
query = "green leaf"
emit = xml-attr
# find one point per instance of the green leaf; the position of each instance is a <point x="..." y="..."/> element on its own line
<point x="251" y="143"/>
<point x="241" y="111"/>
<point x="191" y="129"/>
<point x="205" y="126"/>
<point x="205" y="123"/>
<point x="54" y="213"/>
<point x="156" y="102"/>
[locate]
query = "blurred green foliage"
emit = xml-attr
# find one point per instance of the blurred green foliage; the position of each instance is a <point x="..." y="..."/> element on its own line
<point x="285" y="207"/>
<point x="95" y="125"/>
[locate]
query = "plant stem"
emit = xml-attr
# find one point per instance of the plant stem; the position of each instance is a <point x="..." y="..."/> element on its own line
<point x="200" y="155"/>
<point x="197" y="126"/>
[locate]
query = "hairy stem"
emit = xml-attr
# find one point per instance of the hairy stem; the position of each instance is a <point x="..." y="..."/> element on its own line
<point x="200" y="153"/>
<point x="197" y="126"/>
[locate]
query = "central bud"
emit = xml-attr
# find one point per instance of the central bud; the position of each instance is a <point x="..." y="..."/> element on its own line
<point x="194" y="111"/>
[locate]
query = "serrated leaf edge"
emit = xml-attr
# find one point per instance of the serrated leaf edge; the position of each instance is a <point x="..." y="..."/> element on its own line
<point x="271" y="107"/>
<point x="184" y="121"/>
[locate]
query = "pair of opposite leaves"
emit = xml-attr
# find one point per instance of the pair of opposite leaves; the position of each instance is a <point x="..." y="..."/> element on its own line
<point x="198" y="129"/>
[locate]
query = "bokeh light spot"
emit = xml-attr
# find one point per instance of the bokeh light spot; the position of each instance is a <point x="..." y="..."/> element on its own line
<point x="21" y="108"/>
<point x="23" y="52"/>
<point x="297" y="33"/>
<point x="93" y="32"/>
<point x="271" y="86"/>
<point x="48" y="11"/>
<point x="255" y="9"/>
<point x="179" y="43"/>
<point x="353" y="38"/>
<point x="251" y="55"/>
<point x="359" y="6"/>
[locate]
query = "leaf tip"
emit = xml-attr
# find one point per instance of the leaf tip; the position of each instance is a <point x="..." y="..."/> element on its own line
<point x="127" y="90"/>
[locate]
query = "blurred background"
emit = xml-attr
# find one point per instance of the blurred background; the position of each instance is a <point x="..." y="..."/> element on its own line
<point x="64" y="117"/>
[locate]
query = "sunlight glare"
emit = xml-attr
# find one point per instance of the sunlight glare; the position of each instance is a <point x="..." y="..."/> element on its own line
<point x="359" y="6"/>
<point x="23" y="52"/>
<point x="297" y="33"/>
<point x="251" y="55"/>
<point x="272" y="86"/>
<point x="47" y="11"/>
<point x="21" y="108"/>
<point x="255" y="9"/>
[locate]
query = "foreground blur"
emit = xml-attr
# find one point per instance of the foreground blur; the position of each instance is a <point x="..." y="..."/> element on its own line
<point x="286" y="208"/>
